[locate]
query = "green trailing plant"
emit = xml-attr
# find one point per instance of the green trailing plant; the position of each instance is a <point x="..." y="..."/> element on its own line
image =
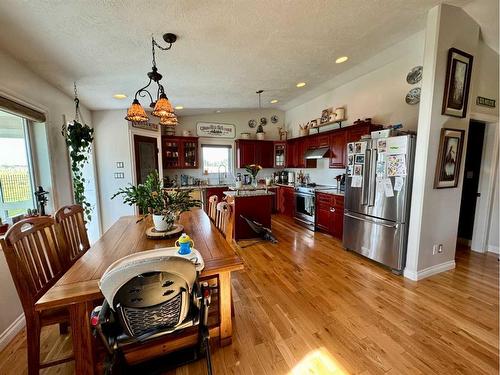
<point x="151" y="198"/>
<point x="79" y="138"/>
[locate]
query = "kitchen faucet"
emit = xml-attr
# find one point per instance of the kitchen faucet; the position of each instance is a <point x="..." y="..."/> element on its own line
<point x="219" y="173"/>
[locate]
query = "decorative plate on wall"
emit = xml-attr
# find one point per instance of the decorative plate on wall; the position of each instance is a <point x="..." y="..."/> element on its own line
<point x="263" y="121"/>
<point x="413" y="96"/>
<point x="415" y="75"/>
<point x="274" y="119"/>
<point x="252" y="123"/>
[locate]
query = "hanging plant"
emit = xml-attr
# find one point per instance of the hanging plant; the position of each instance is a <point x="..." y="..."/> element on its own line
<point x="79" y="138"/>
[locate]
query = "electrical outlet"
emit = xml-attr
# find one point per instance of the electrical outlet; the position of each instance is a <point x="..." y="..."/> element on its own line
<point x="437" y="249"/>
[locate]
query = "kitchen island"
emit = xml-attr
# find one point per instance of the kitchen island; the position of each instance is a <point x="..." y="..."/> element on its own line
<point x="252" y="204"/>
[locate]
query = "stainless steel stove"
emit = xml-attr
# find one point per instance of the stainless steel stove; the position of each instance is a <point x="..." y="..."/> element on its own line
<point x="305" y="203"/>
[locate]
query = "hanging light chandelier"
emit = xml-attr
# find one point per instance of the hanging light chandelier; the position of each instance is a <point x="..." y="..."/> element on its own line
<point x="162" y="107"/>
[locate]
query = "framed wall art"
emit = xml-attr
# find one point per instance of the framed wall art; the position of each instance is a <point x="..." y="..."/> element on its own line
<point x="456" y="89"/>
<point x="215" y="130"/>
<point x="449" y="158"/>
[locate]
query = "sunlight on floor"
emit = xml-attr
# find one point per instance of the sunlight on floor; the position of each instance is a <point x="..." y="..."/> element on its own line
<point x="319" y="362"/>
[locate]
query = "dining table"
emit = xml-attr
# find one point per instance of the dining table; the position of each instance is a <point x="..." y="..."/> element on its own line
<point x="78" y="289"/>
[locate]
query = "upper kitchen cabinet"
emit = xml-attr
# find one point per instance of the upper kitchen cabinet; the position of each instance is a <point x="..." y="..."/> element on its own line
<point x="180" y="152"/>
<point x="279" y="154"/>
<point x="337" y="143"/>
<point x="254" y="152"/>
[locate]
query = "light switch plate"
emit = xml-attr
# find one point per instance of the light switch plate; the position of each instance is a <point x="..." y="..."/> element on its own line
<point x="119" y="164"/>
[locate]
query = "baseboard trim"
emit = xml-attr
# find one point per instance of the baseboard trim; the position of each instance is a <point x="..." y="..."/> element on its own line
<point x="493" y="249"/>
<point x="11" y="331"/>
<point x="430" y="271"/>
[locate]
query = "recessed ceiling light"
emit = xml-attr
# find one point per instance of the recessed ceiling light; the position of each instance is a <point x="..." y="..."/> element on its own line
<point x="218" y="111"/>
<point x="179" y="107"/>
<point x="119" y="96"/>
<point x="300" y="84"/>
<point x="274" y="101"/>
<point x="341" y="59"/>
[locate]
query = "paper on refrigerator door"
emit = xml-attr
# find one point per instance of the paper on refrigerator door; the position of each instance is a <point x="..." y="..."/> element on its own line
<point x="398" y="183"/>
<point x="396" y="145"/>
<point x="396" y="165"/>
<point x="382" y="145"/>
<point x="389" y="192"/>
<point x="356" y="181"/>
<point x="359" y="147"/>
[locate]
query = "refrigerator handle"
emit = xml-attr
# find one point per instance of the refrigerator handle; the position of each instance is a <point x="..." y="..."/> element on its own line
<point x="373" y="184"/>
<point x="366" y="177"/>
<point x="365" y="219"/>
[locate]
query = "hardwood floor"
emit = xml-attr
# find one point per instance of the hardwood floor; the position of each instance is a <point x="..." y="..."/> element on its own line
<point x="305" y="305"/>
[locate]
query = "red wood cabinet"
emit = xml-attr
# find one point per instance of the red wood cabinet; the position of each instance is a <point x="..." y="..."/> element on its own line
<point x="337" y="149"/>
<point x="330" y="214"/>
<point x="219" y="191"/>
<point x="285" y="201"/>
<point x="180" y="152"/>
<point x="264" y="153"/>
<point x="254" y="152"/>
<point x="279" y="154"/>
<point x="291" y="155"/>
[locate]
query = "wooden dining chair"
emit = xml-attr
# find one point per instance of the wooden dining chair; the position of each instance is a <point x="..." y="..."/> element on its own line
<point x="224" y="220"/>
<point x="212" y="207"/>
<point x="72" y="224"/>
<point x="35" y="250"/>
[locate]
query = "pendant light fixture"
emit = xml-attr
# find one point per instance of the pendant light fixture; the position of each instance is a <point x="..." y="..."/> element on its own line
<point x="161" y="106"/>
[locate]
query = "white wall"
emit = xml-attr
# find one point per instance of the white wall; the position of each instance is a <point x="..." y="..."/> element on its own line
<point x="493" y="238"/>
<point x="379" y="93"/>
<point x="435" y="212"/>
<point x="112" y="145"/>
<point x="486" y="80"/>
<point x="19" y="83"/>
<point x="240" y="120"/>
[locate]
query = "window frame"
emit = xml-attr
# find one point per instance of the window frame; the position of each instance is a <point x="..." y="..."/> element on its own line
<point x="28" y="149"/>
<point x="227" y="146"/>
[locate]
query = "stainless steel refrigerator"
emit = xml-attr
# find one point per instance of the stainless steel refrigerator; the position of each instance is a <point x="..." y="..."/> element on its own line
<point x="377" y="198"/>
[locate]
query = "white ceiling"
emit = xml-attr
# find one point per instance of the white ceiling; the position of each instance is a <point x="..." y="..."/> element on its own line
<point x="226" y="50"/>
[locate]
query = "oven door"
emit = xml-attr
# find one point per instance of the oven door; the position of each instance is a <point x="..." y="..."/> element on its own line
<point x="304" y="207"/>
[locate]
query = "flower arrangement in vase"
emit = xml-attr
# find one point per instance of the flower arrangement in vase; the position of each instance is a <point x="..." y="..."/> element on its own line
<point x="164" y="207"/>
<point x="254" y="170"/>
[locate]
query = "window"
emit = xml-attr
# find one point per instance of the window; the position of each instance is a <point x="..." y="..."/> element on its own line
<point x="215" y="157"/>
<point x="16" y="173"/>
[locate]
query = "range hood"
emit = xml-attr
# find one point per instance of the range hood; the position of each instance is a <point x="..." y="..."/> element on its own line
<point x="317" y="153"/>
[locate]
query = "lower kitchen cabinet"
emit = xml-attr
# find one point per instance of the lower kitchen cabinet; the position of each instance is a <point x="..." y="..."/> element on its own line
<point x="330" y="214"/>
<point x="216" y="190"/>
<point x="285" y="201"/>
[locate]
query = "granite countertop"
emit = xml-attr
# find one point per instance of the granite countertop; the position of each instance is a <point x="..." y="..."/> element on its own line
<point x="247" y="193"/>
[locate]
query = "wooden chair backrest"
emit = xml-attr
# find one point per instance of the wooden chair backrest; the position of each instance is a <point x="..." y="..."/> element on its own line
<point x="35" y="250"/>
<point x="212" y="207"/>
<point x="72" y="224"/>
<point x="224" y="219"/>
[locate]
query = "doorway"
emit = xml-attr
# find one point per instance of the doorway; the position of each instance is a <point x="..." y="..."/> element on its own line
<point x="470" y="185"/>
<point x="146" y="157"/>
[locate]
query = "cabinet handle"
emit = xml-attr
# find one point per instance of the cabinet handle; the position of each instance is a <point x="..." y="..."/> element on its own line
<point x="332" y="209"/>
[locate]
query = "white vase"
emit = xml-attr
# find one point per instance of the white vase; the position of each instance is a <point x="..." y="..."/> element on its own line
<point x="160" y="222"/>
<point x="260" y="136"/>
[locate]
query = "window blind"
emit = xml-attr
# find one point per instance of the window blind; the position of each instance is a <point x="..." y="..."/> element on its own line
<point x="21" y="110"/>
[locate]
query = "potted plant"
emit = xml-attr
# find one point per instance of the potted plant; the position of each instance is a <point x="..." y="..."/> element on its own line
<point x="164" y="207"/>
<point x="260" y="132"/>
<point x="254" y="170"/>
